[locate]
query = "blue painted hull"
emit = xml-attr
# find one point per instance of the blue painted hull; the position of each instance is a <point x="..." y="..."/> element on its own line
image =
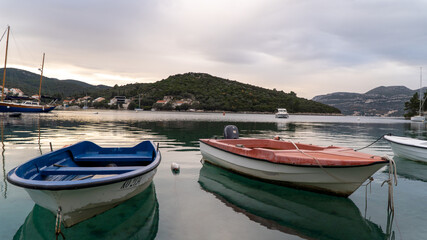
<point x="85" y="179"/>
<point x="11" y="107"/>
<point x="57" y="170"/>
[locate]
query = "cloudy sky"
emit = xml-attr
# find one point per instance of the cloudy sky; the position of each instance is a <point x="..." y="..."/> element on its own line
<point x="311" y="47"/>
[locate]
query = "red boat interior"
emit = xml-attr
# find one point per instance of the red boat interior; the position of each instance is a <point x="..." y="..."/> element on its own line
<point x="293" y="153"/>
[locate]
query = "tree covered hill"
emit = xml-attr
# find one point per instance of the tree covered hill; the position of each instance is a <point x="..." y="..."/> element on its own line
<point x="29" y="83"/>
<point x="214" y="93"/>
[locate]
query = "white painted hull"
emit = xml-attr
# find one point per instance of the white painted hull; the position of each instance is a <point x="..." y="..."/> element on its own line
<point x="408" y="148"/>
<point x="282" y="115"/>
<point x="418" y="118"/>
<point x="341" y="181"/>
<point x="81" y="204"/>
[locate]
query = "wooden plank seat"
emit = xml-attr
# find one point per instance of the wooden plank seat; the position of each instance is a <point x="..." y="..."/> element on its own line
<point x="85" y="170"/>
<point x="96" y="157"/>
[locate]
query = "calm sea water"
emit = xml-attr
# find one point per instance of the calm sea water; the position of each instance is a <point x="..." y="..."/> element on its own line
<point x="205" y="202"/>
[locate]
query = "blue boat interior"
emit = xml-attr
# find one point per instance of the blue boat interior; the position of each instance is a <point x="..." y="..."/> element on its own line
<point x="84" y="160"/>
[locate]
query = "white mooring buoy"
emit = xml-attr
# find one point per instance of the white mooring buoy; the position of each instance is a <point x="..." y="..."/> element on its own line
<point x="175" y="168"/>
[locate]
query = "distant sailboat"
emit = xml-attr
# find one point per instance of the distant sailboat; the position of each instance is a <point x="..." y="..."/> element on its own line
<point x="139" y="104"/>
<point x="27" y="106"/>
<point x="419" y="118"/>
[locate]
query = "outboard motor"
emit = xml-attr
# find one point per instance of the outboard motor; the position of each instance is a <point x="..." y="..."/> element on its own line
<point x="231" y="132"/>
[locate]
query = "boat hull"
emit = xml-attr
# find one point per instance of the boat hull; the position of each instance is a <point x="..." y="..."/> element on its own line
<point x="136" y="218"/>
<point x="336" y="180"/>
<point x="418" y="118"/>
<point x="81" y="204"/>
<point x="408" y="148"/>
<point x="13" y="107"/>
<point x="84" y="179"/>
<point x="282" y="115"/>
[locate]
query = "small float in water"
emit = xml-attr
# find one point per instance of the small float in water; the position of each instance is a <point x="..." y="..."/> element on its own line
<point x="331" y="170"/>
<point x="84" y="179"/>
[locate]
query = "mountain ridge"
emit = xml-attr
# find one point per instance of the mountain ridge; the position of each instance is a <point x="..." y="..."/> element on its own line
<point x="379" y="101"/>
<point x="29" y="83"/>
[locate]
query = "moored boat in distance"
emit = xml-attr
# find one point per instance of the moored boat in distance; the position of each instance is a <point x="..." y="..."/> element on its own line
<point x="409" y="148"/>
<point x="282" y="113"/>
<point x="420" y="118"/>
<point x="84" y="179"/>
<point x="331" y="170"/>
<point x="28" y="106"/>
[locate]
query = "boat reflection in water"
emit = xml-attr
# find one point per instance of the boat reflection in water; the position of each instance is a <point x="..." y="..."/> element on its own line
<point x="137" y="218"/>
<point x="409" y="169"/>
<point x="304" y="214"/>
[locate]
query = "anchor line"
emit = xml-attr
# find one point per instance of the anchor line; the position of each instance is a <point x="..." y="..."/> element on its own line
<point x="371" y="179"/>
<point x="392" y="175"/>
<point x="58" y="223"/>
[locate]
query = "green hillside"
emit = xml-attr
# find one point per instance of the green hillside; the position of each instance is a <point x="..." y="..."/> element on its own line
<point x="214" y="93"/>
<point x="29" y="83"/>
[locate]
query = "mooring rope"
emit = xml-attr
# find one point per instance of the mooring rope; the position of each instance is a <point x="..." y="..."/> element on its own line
<point x="3" y="34"/>
<point x="371" y="179"/>
<point x="58" y="223"/>
<point x="388" y="134"/>
<point x="392" y="172"/>
<point x="317" y="160"/>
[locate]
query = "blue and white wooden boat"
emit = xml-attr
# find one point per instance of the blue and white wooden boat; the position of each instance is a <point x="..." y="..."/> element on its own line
<point x="84" y="179"/>
<point x="27" y="107"/>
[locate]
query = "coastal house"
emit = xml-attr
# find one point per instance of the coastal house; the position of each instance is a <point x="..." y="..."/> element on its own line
<point x="99" y="99"/>
<point x="119" y="100"/>
<point x="178" y="103"/>
<point x="16" y="92"/>
<point x="83" y="99"/>
<point x="163" y="102"/>
<point x="69" y="101"/>
<point x="6" y="90"/>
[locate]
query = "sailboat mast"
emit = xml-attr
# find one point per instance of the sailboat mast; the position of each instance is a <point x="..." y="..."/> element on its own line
<point x="5" y="61"/>
<point x="421" y="84"/>
<point x="41" y="78"/>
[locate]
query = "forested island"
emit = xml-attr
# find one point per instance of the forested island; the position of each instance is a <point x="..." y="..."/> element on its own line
<point x="189" y="91"/>
<point x="205" y="92"/>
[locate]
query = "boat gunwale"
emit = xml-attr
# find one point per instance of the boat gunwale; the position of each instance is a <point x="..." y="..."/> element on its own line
<point x="405" y="144"/>
<point x="13" y="178"/>
<point x="382" y="161"/>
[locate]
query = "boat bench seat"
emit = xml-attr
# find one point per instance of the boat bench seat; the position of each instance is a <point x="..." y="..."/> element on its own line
<point x="85" y="170"/>
<point x="95" y="157"/>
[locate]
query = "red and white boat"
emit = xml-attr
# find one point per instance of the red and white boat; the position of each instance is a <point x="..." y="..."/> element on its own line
<point x="331" y="170"/>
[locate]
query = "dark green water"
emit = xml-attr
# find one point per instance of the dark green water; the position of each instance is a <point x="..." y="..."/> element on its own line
<point x="204" y="202"/>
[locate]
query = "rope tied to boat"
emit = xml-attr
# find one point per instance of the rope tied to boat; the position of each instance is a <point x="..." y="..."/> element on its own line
<point x="58" y="223"/>
<point x="392" y="174"/>
<point x="371" y="179"/>
<point x="388" y="134"/>
<point x="317" y="160"/>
